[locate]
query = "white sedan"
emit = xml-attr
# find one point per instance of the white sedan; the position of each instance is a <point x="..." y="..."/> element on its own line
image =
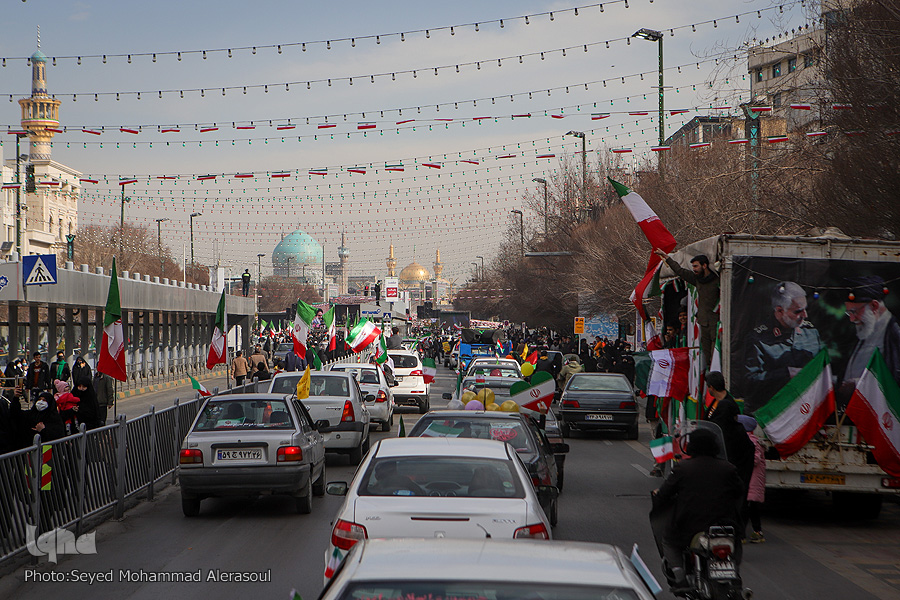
<point x="437" y="488"/>
<point x="434" y="568"/>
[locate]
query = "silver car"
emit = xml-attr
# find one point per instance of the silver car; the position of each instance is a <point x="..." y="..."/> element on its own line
<point x="249" y="444"/>
<point x="373" y="383"/>
<point x="487" y="568"/>
<point x="336" y="398"/>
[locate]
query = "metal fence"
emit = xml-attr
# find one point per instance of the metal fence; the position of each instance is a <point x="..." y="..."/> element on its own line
<point x="143" y="372"/>
<point x="91" y="474"/>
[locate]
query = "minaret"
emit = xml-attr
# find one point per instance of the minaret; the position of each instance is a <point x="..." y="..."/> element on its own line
<point x="391" y="263"/>
<point x="40" y="113"/>
<point x="343" y="256"/>
<point x="438" y="266"/>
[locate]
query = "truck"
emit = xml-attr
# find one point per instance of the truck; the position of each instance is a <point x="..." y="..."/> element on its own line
<point x="830" y="281"/>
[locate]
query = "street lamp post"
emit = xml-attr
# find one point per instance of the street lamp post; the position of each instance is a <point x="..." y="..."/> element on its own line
<point x="19" y="135"/>
<point x="196" y="214"/>
<point x="652" y="35"/>
<point x="475" y="264"/>
<point x="584" y="200"/>
<point x="482" y="266"/>
<point x="521" y="230"/>
<point x="546" y="208"/>
<point x="159" y="245"/>
<point x="122" y="184"/>
<point x="304" y="272"/>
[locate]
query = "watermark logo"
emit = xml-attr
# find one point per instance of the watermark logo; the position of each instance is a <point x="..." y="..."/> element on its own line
<point x="57" y="542"/>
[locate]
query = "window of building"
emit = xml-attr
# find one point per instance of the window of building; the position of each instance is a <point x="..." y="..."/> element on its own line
<point x="776" y="70"/>
<point x="792" y="65"/>
<point x="809" y="60"/>
<point x="776" y="100"/>
<point x="759" y="76"/>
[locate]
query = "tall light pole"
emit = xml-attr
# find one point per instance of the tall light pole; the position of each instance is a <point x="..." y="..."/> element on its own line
<point x="122" y="184"/>
<point x="19" y="135"/>
<point x="159" y="245"/>
<point x="546" y="208"/>
<point x="192" y="236"/>
<point x="656" y="36"/>
<point x="584" y="200"/>
<point x="521" y="230"/>
<point x="475" y="264"/>
<point x="259" y="268"/>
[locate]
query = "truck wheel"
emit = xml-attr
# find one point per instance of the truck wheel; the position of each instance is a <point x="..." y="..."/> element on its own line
<point x="859" y="506"/>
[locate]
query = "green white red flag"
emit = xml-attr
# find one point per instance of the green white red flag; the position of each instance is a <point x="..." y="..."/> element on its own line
<point x="112" y="350"/>
<point x="662" y="448"/>
<point x="875" y="410"/>
<point x="536" y="395"/>
<point x="303" y="318"/>
<point x="216" y="353"/>
<point x="199" y="387"/>
<point x="799" y="409"/>
<point x="328" y="318"/>
<point x="669" y="373"/>
<point x="362" y="334"/>
<point x="429" y="370"/>
<point x="333" y="562"/>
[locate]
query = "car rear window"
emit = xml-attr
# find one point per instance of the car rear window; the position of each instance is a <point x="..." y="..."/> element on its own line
<point x="480" y="590"/>
<point x="599" y="383"/>
<point x="320" y="385"/>
<point x="504" y="430"/>
<point x="498" y="386"/>
<point x="494" y="371"/>
<point x="460" y="476"/>
<point x="226" y="414"/>
<point x="404" y="361"/>
<point x="284" y="347"/>
<point x="363" y="375"/>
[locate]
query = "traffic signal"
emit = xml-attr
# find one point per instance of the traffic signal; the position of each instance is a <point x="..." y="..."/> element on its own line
<point x="366" y="293"/>
<point x="29" y="178"/>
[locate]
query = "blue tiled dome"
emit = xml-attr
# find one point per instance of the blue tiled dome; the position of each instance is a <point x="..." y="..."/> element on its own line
<point x="38" y="56"/>
<point x="297" y="249"/>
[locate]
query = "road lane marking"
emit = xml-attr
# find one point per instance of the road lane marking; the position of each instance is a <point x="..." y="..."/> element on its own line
<point x="607" y="442"/>
<point x="643" y="471"/>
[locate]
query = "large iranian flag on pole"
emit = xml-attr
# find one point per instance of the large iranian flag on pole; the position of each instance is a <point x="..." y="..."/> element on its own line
<point x="362" y="334"/>
<point x="669" y="373"/>
<point x="302" y="320"/>
<point x="330" y="328"/>
<point x="112" y="350"/>
<point x="217" y="344"/>
<point x="799" y="409"/>
<point x="875" y="410"/>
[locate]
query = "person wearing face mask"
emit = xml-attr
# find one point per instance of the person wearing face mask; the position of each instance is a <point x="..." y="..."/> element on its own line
<point x="80" y="370"/>
<point x="43" y="419"/>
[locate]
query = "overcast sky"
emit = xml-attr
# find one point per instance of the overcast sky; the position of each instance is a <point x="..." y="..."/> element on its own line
<point x="460" y="207"/>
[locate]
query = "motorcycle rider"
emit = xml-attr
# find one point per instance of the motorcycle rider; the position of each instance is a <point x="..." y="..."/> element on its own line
<point x="701" y="491"/>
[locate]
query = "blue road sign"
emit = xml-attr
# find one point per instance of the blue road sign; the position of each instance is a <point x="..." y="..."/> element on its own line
<point x="39" y="269"/>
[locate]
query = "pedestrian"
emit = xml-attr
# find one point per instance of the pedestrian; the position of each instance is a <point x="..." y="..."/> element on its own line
<point x="292" y="362"/>
<point x="88" y="405"/>
<point x="44" y="419"/>
<point x="756" y="492"/>
<point x="245" y="282"/>
<point x="724" y="412"/>
<point x="544" y="363"/>
<point x="239" y="367"/>
<point x="13" y="372"/>
<point x="105" y="389"/>
<point x="262" y="372"/>
<point x="394" y="342"/>
<point x="256" y="358"/>
<point x="570" y="368"/>
<point x="68" y="404"/>
<point x="81" y="369"/>
<point x="59" y="369"/>
<point x="37" y="378"/>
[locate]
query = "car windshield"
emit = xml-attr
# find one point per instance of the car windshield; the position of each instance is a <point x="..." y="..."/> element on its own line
<point x="599" y="383"/>
<point x="460" y="476"/>
<point x="224" y="414"/>
<point x="404" y="361"/>
<point x="284" y="347"/>
<point x="494" y="371"/>
<point x="320" y="385"/>
<point x="500" y="387"/>
<point x="480" y="590"/>
<point x="363" y="375"/>
<point x="504" y="430"/>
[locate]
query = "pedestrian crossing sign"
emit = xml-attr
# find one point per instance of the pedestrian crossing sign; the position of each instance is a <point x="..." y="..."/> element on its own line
<point x="39" y="269"/>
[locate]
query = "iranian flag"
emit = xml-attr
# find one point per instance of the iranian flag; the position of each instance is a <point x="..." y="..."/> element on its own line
<point x="799" y="409"/>
<point x="536" y="395"/>
<point x="647" y="286"/>
<point x="217" y="344"/>
<point x="199" y="387"/>
<point x="330" y="328"/>
<point x="333" y="563"/>
<point x="875" y="410"/>
<point x="112" y="350"/>
<point x="302" y="320"/>
<point x="532" y="358"/>
<point x="429" y="370"/>
<point x="669" y="373"/>
<point x="362" y="334"/>
<point x="662" y="449"/>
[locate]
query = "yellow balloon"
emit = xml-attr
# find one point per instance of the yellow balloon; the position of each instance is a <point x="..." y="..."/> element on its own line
<point x="509" y="406"/>
<point x="492" y="406"/>
<point x="527" y="369"/>
<point x="467" y="397"/>
<point x="486" y="395"/>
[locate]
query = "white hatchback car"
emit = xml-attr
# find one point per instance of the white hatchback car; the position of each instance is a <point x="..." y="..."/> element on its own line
<point x="372" y="383"/>
<point x="411" y="387"/>
<point x="438" y="487"/>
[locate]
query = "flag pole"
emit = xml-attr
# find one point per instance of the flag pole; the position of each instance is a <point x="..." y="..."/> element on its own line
<point x="227" y="362"/>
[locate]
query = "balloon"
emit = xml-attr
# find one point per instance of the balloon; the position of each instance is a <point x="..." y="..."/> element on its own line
<point x="467" y="396"/>
<point x="486" y="395"/>
<point x="509" y="406"/>
<point x="455" y="404"/>
<point x="527" y="369"/>
<point x="474" y="405"/>
<point x="492" y="406"/>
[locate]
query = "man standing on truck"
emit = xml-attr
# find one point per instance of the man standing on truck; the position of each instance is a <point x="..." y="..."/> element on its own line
<point x="779" y="348"/>
<point x="876" y="327"/>
<point x="707" y="283"/>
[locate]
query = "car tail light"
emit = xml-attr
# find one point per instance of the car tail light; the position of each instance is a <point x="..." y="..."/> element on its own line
<point x="416" y="373"/>
<point x="348" y="415"/>
<point x="535" y="532"/>
<point x="289" y="454"/>
<point x="571" y="404"/>
<point x="190" y="457"/>
<point x="626" y="405"/>
<point x="380" y="396"/>
<point x="722" y="549"/>
<point x="890" y="482"/>
<point x="345" y="534"/>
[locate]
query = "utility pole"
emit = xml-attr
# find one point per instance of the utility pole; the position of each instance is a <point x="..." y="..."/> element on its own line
<point x="122" y="184"/>
<point x="521" y="231"/>
<point x="159" y="222"/>
<point x="196" y="214"/>
<point x="751" y="131"/>
<point x="652" y="35"/>
<point x="19" y="135"/>
<point x="546" y="208"/>
<point x="482" y="266"/>
<point x="579" y="209"/>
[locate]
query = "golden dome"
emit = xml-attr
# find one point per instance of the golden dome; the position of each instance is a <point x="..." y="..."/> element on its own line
<point x="414" y="273"/>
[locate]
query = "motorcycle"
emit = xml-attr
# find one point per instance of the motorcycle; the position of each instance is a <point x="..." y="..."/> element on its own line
<point x="711" y="568"/>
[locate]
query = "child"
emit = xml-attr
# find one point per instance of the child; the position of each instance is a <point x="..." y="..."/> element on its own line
<point x="67" y="404"/>
<point x="757" y="491"/>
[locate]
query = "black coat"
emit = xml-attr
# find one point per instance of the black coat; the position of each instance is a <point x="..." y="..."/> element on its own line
<point x="88" y="407"/>
<point x="54" y="428"/>
<point x="78" y="373"/>
<point x="545" y="364"/>
<point x="43" y="377"/>
<point x="55" y="366"/>
<point x="738" y="447"/>
<point x="703" y="491"/>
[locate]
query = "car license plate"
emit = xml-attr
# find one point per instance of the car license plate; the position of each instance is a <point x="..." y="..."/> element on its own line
<point x="250" y="454"/>
<point x="598" y="417"/>
<point x="823" y="478"/>
<point x="398" y="378"/>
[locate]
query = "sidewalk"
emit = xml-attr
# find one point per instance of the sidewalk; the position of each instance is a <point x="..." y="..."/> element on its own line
<point x="135" y="403"/>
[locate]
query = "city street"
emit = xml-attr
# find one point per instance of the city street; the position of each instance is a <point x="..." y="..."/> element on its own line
<point x="606" y="499"/>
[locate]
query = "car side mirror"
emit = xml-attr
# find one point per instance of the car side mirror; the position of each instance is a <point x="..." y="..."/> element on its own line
<point x="321" y="424"/>
<point x="338" y="488"/>
<point x="559" y="448"/>
<point x="447" y="396"/>
<point x="370" y="398"/>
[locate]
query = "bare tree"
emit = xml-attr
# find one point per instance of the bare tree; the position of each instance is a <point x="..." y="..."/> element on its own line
<point x="279" y="293"/>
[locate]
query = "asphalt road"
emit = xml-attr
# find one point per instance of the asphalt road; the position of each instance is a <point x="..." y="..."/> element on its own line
<point x="808" y="555"/>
